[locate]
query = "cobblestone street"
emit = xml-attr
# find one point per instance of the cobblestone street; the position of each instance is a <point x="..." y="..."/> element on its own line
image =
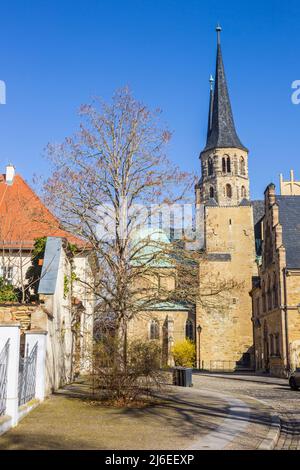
<point x="274" y="392"/>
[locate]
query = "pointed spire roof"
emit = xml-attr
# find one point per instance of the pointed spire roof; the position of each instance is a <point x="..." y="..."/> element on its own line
<point x="221" y="129"/>
<point x="211" y="103"/>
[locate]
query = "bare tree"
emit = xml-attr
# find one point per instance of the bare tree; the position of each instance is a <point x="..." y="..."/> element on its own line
<point x="104" y="180"/>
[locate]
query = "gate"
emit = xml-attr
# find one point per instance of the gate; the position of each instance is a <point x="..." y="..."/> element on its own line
<point x="27" y="375"/>
<point x="3" y="376"/>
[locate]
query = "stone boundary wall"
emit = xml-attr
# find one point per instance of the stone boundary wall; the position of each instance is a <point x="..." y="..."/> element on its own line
<point x="19" y="313"/>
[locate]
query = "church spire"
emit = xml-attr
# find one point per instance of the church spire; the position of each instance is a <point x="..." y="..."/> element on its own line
<point x="221" y="129"/>
<point x="211" y="104"/>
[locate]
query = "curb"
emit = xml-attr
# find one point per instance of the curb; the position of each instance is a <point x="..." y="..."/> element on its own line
<point x="269" y="443"/>
<point x="272" y="436"/>
<point x="242" y="379"/>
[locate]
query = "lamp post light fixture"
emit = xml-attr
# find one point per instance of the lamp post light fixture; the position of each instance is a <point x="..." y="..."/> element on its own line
<point x="170" y="355"/>
<point x="199" y="329"/>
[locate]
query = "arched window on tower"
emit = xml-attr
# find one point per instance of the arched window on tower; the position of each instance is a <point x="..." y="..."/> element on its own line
<point x="203" y="169"/>
<point x="275" y="292"/>
<point x="210" y="167"/>
<point x="228" y="191"/>
<point x="223" y="165"/>
<point x="154" y="329"/>
<point x="189" y="330"/>
<point x="243" y="192"/>
<point x="228" y="165"/>
<point x="242" y="166"/>
<point x="211" y="192"/>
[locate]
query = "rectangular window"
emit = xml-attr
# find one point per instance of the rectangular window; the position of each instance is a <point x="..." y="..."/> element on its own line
<point x="271" y="345"/>
<point x="6" y="272"/>
<point x="277" y="345"/>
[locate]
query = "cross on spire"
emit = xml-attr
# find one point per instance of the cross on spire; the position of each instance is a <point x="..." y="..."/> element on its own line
<point x="218" y="29"/>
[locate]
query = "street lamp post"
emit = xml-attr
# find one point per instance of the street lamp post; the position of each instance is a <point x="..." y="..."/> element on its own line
<point x="199" y="329"/>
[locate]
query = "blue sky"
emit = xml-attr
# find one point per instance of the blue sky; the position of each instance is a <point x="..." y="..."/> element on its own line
<point x="55" y="55"/>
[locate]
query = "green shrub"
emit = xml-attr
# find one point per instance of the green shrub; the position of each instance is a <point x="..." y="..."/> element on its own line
<point x="184" y="353"/>
<point x="39" y="247"/>
<point x="7" y="292"/>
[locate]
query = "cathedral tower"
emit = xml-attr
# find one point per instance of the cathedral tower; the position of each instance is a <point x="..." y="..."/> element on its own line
<point x="224" y="160"/>
<point x="224" y="310"/>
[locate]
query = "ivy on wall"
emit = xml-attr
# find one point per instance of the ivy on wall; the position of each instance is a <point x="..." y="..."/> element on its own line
<point x="68" y="281"/>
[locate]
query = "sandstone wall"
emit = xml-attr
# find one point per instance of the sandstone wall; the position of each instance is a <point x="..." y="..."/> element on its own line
<point x="225" y="317"/>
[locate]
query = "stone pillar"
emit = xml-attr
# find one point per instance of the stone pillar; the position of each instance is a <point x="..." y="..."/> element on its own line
<point x="11" y="331"/>
<point x="39" y="337"/>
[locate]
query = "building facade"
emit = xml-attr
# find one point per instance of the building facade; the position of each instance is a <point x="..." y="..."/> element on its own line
<point x="276" y="290"/>
<point x="64" y="311"/>
<point x="164" y="321"/>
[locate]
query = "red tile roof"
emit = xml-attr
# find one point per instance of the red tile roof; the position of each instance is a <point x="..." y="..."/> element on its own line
<point x="23" y="217"/>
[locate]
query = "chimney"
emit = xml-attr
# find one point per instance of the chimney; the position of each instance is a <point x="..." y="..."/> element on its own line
<point x="10" y="174"/>
<point x="270" y="197"/>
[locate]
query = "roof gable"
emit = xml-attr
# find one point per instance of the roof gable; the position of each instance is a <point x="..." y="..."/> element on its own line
<point x="289" y="218"/>
<point x="24" y="217"/>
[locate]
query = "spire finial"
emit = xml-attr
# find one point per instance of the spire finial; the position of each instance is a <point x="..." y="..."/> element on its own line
<point x="219" y="29"/>
<point x="211" y="82"/>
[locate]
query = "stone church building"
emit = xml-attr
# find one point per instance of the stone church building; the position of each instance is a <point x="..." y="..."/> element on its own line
<point x="225" y="337"/>
<point x="248" y="315"/>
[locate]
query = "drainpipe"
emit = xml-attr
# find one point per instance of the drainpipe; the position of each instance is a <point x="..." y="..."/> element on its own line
<point x="286" y="320"/>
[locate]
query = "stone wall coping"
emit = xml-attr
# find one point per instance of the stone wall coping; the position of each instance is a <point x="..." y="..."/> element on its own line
<point x="10" y="324"/>
<point x="36" y="332"/>
<point x="16" y="304"/>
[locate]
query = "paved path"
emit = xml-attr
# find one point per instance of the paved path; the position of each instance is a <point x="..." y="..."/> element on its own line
<point x="196" y="418"/>
<point x="272" y="391"/>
